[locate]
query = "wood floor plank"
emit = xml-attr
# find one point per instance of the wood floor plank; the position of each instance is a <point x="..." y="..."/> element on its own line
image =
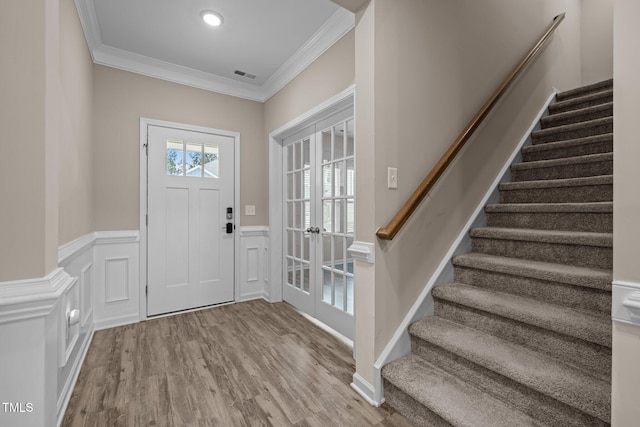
<point x="247" y="364"/>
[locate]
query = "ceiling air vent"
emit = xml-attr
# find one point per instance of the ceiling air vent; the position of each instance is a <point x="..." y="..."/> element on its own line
<point x="245" y="74"/>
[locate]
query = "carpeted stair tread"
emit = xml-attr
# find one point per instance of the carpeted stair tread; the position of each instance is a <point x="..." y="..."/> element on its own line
<point x="568" y="167"/>
<point x="571" y="275"/>
<point x="546" y="236"/>
<point x="581" y="101"/>
<point x="598" y="207"/>
<point x="555" y="183"/>
<point x="569" y="148"/>
<point x="577" y="116"/>
<point x="563" y="320"/>
<point x="443" y="393"/>
<point x="572" y="131"/>
<point x="576" y="160"/>
<point x="532" y="369"/>
<point x="583" y="90"/>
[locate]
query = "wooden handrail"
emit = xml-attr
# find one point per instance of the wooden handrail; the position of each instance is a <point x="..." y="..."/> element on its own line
<point x="389" y="232"/>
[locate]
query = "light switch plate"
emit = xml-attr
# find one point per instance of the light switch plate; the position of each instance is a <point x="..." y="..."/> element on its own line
<point x="392" y="178"/>
<point x="250" y="210"/>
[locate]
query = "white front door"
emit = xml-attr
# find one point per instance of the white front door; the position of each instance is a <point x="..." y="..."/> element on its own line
<point x="190" y="245"/>
<point x="320" y="222"/>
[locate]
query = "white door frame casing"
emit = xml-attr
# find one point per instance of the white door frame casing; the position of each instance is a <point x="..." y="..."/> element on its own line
<point x="341" y="101"/>
<point x="144" y="123"/>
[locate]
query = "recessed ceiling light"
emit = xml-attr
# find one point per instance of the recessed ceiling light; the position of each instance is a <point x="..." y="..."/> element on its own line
<point x="212" y="18"/>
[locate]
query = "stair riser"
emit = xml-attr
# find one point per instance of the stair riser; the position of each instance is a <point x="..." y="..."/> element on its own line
<point x="557" y="108"/>
<point x="596" y="222"/>
<point x="523" y="398"/>
<point x="411" y="409"/>
<point x="580" y="170"/>
<point x="569" y="119"/>
<point x="573" y="151"/>
<point x="578" y="255"/>
<point x="577" y="297"/>
<point x="584" y="91"/>
<point x="590" y="357"/>
<point x="575" y="194"/>
<point x="541" y="137"/>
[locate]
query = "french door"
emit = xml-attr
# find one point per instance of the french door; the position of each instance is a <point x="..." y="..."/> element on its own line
<point x="319" y="222"/>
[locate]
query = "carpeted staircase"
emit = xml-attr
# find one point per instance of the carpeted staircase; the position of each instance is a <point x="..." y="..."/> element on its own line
<point x="523" y="335"/>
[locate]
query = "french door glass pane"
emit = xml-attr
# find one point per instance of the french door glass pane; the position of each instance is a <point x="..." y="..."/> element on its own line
<point x="290" y="214"/>
<point x="338" y="142"/>
<point x="350" y="140"/>
<point x="290" y="154"/>
<point x="327" y="216"/>
<point x="338" y="215"/>
<point x="351" y="216"/>
<point x="307" y="184"/>
<point x="290" y="242"/>
<point x="306" y="159"/>
<point x="351" y="178"/>
<point x="327" y="286"/>
<point x="326" y="250"/>
<point x="298" y="186"/>
<point x="305" y="277"/>
<point x="339" y="179"/>
<point x="327" y="180"/>
<point x="291" y="273"/>
<point x="326" y="146"/>
<point x="338" y="280"/>
<point x="338" y="253"/>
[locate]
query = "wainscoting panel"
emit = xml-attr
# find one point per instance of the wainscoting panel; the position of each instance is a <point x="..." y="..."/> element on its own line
<point x="116" y="278"/>
<point x="254" y="261"/>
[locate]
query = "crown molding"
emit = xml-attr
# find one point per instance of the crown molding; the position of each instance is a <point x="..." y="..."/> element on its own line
<point x="336" y="27"/>
<point x="339" y="24"/>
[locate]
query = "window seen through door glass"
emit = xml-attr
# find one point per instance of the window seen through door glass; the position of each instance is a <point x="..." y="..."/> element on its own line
<point x="192" y="159"/>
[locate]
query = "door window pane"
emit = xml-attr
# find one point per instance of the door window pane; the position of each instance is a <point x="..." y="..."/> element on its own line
<point x="326" y="145"/>
<point x="298" y="156"/>
<point x="305" y="277"/>
<point x="290" y="185"/>
<point x="306" y="186"/>
<point x="327" y="180"/>
<point x="193" y="161"/>
<point x="290" y="214"/>
<point x="327" y="216"/>
<point x="326" y="286"/>
<point x="338" y="253"/>
<point x="291" y="273"/>
<point x="338" y="141"/>
<point x="351" y="178"/>
<point x="306" y="161"/>
<point x="338" y="285"/>
<point x="298" y="215"/>
<point x="298" y="190"/>
<point x="175" y="158"/>
<point x="351" y="216"/>
<point x="211" y="161"/>
<point x="350" y="139"/>
<point x="306" y="215"/>
<point x="326" y="250"/>
<point x="291" y="243"/>
<point x="338" y="222"/>
<point x="290" y="154"/>
<point x="339" y="179"/>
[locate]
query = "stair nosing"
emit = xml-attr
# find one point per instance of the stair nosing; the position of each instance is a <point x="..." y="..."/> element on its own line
<point x="504" y="307"/>
<point x="570" y="275"/>
<point x="498" y="363"/>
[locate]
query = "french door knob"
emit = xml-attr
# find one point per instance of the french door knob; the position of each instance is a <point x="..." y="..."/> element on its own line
<point x="316" y="230"/>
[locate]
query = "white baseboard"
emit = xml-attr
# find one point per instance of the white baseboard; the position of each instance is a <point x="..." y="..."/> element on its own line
<point x="400" y="343"/>
<point x="366" y="390"/>
<point x="116" y="321"/>
<point x="67" y="390"/>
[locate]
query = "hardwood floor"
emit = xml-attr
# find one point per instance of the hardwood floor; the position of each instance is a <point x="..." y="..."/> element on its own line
<point x="246" y="364"/>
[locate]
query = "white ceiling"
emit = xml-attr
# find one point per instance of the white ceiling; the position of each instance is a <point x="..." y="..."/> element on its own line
<point x="272" y="39"/>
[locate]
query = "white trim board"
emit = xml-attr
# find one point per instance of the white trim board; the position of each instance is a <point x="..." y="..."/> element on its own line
<point x="400" y="343"/>
<point x="625" y="305"/>
<point x="144" y="124"/>
<point x="338" y="25"/>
